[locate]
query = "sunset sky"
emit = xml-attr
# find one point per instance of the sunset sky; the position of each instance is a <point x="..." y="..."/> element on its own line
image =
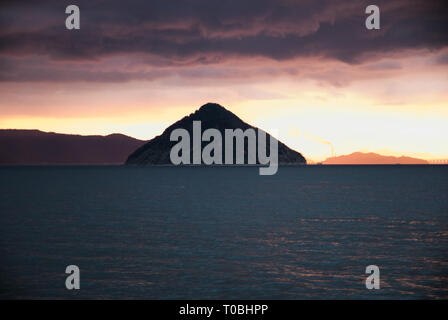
<point x="308" y="69"/>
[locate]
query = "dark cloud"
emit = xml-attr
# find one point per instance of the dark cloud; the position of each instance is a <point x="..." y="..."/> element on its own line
<point x="192" y="32"/>
<point x="442" y="58"/>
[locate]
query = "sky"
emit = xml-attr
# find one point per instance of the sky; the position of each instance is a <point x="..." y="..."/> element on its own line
<point x="308" y="70"/>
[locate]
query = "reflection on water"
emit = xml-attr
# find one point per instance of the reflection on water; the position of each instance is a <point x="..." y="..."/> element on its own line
<point x="211" y="233"/>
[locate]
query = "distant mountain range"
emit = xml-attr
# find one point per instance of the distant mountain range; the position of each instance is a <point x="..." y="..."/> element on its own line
<point x="34" y="147"/>
<point x="211" y="115"/>
<point x="372" y="158"/>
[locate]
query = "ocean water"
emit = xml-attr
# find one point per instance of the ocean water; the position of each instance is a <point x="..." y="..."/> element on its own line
<point x="224" y="232"/>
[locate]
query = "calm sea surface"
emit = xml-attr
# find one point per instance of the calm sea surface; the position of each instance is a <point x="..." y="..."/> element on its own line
<point x="224" y="233"/>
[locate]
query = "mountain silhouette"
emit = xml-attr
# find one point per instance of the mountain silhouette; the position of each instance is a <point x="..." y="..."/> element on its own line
<point x="34" y="147"/>
<point x="372" y="158"/>
<point x="211" y="115"/>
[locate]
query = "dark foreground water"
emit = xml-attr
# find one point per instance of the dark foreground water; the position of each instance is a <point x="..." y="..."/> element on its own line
<point x="210" y="232"/>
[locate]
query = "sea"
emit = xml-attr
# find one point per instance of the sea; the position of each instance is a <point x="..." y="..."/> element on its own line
<point x="308" y="232"/>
